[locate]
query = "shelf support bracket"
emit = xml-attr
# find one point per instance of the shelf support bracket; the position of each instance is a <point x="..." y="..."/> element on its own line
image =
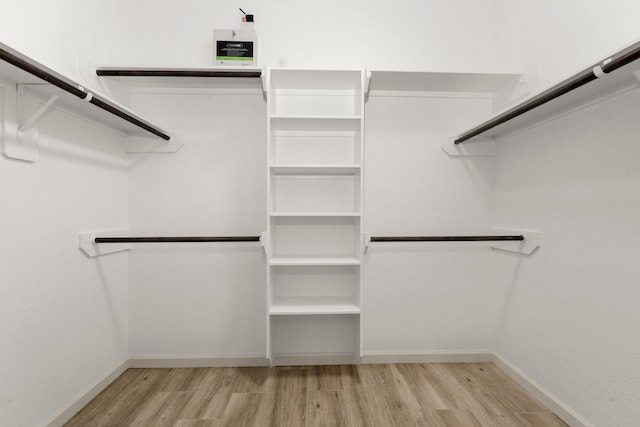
<point x="38" y="115"/>
<point x="263" y="81"/>
<point x="366" y="241"/>
<point x="482" y="148"/>
<point x="367" y="83"/>
<point x="20" y="133"/>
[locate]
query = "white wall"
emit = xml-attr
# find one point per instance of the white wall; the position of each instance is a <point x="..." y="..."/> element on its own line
<point x="426" y="297"/>
<point x="205" y="300"/>
<point x="63" y="34"/>
<point x="552" y="40"/>
<point x="414" y="34"/>
<point x="570" y="319"/>
<point x="63" y="316"/>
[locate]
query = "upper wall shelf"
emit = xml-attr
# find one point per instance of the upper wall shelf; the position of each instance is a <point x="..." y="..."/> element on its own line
<point x="423" y="81"/>
<point x="17" y="68"/>
<point x="196" y="77"/>
<point x="617" y="73"/>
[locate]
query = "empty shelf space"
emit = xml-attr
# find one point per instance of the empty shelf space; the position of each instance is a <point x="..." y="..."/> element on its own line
<point x="424" y="81"/>
<point x="327" y="117"/>
<point x="316" y="80"/>
<point x="319" y="169"/>
<point x="313" y="305"/>
<point x="309" y="261"/>
<point x="314" y="214"/>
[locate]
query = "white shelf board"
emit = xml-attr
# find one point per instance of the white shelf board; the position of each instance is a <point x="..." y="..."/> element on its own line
<point x="191" y="77"/>
<point x="426" y="81"/>
<point x="71" y="103"/>
<point x="313" y="305"/>
<point x="319" y="169"/>
<point x="314" y="261"/>
<point x="314" y="214"/>
<point x="316" y="117"/>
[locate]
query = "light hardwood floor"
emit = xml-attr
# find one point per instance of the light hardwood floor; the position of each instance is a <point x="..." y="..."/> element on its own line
<point x="439" y="395"/>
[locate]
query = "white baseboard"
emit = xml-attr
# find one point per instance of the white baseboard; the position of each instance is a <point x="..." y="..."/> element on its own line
<point x="562" y="410"/>
<point x="463" y="356"/>
<point x="190" y="361"/>
<point x="314" y="359"/>
<point x="81" y="399"/>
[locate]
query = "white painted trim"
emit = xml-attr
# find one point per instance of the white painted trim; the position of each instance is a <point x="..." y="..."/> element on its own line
<point x="561" y="409"/>
<point x="462" y="356"/>
<point x="314" y="359"/>
<point x="195" y="361"/>
<point x="81" y="399"/>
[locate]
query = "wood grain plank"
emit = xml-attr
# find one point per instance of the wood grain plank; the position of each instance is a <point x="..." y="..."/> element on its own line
<point x="436" y="395"/>
<point x="290" y="396"/>
<point x="103" y="401"/>
<point x="365" y="407"/>
<point x="505" y="389"/>
<point x="541" y="419"/>
<point x="457" y="418"/>
<point x="129" y="404"/>
<point x="326" y="409"/>
<point x="401" y="403"/>
<point x="215" y="380"/>
<point x="240" y="408"/>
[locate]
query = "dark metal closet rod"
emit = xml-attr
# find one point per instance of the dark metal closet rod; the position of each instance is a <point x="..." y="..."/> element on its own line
<point x="188" y="239"/>
<point x="446" y="238"/>
<point x="113" y="72"/>
<point x="71" y="87"/>
<point x="618" y="60"/>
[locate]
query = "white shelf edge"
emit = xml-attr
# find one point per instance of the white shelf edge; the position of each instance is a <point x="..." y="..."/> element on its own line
<point x="315" y="214"/>
<point x="292" y="310"/>
<point x="277" y="261"/>
<point x="315" y="117"/>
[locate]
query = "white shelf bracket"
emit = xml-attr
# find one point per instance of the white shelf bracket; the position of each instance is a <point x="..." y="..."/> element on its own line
<point x="86" y="242"/>
<point x="367" y="83"/>
<point x="145" y="144"/>
<point x="263" y="81"/>
<point x="263" y="240"/>
<point x="38" y="115"/>
<point x="530" y="243"/>
<point x="366" y="241"/>
<point x="485" y="147"/>
<point x="20" y="133"/>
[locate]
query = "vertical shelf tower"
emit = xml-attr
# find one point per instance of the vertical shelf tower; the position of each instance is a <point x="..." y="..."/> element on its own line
<point x="315" y="188"/>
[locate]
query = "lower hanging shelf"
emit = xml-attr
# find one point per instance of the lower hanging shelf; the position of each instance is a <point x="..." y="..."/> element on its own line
<point x="313" y="305"/>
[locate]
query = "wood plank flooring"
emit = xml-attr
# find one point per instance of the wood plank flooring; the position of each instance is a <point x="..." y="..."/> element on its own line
<point x="439" y="395"/>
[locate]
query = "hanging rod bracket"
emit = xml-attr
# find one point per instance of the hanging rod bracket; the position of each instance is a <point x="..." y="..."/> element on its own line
<point x="149" y="144"/>
<point x="527" y="246"/>
<point x="367" y="83"/>
<point x="263" y="81"/>
<point x="481" y="147"/>
<point x="86" y="242"/>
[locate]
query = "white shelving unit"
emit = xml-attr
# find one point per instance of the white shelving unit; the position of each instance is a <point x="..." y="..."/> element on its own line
<point x="315" y="151"/>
